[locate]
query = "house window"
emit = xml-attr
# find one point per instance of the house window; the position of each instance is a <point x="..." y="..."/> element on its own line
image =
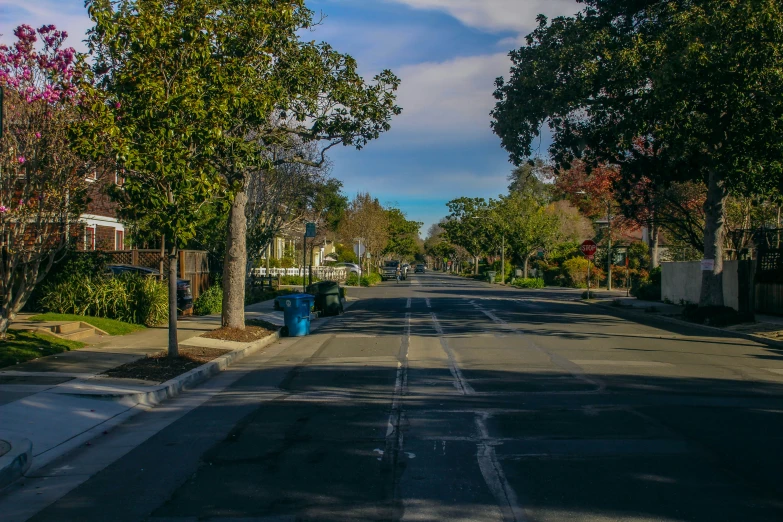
<point x="92" y="175"/>
<point x="119" y="179"/>
<point x="89" y="238"/>
<point x="119" y="240"/>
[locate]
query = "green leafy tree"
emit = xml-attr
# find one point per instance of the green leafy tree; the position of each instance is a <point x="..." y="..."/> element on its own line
<point x="698" y="82"/>
<point x="149" y="58"/>
<point x="467" y="226"/>
<point x="279" y="90"/>
<point x="526" y="223"/>
<point x="402" y="235"/>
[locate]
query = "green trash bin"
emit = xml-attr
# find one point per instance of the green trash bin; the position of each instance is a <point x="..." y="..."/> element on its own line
<point x="491" y="275"/>
<point x="327" y="297"/>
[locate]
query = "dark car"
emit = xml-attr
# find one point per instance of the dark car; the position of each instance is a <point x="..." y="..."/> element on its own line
<point x="419" y="269"/>
<point x="184" y="291"/>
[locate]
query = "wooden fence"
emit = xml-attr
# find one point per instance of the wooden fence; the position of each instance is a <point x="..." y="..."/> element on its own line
<point x="192" y="265"/>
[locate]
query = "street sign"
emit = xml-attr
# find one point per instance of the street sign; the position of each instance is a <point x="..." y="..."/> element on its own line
<point x="588" y="248"/>
<point x="310" y="230"/>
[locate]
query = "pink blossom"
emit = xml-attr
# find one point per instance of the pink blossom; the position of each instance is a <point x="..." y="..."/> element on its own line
<point x="21" y="202"/>
<point x="3" y="209"/>
<point x="21" y="159"/>
<point x="117" y="105"/>
<point x="38" y="135"/>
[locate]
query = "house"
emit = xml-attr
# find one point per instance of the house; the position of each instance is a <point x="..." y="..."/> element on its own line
<point x="100" y="229"/>
<point x="291" y="247"/>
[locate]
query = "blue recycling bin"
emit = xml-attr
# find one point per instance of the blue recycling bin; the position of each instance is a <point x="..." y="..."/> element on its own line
<point x="296" y="313"/>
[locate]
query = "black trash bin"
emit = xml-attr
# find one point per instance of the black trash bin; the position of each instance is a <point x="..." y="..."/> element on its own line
<point x="327" y="297"/>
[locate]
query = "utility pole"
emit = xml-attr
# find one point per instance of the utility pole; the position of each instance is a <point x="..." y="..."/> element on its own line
<point x="503" y="258"/>
<point x="304" y="262"/>
<point x="609" y="250"/>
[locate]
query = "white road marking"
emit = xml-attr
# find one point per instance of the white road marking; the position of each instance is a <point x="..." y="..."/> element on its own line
<point x="558" y="360"/>
<point x="408" y="304"/>
<point x="605" y="362"/>
<point x="459" y="380"/>
<point x="427" y="300"/>
<point x="494" y="477"/>
<point x="401" y="381"/>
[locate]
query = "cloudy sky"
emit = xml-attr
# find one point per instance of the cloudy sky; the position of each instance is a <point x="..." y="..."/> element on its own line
<point x="447" y="53"/>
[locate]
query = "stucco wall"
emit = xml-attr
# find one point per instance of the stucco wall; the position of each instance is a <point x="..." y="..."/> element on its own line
<point x="681" y="281"/>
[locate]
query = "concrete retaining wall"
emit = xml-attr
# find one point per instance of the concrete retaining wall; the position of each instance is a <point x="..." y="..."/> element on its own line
<point x="681" y="282"/>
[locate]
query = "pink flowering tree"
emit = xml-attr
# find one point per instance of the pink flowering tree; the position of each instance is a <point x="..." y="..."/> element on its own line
<point x="42" y="182"/>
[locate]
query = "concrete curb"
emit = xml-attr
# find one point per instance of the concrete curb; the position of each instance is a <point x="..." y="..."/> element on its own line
<point x="142" y="401"/>
<point x="628" y="312"/>
<point x="194" y="377"/>
<point x="17" y="461"/>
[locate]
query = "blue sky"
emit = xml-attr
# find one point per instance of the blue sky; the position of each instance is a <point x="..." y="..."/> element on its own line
<point x="447" y="53"/>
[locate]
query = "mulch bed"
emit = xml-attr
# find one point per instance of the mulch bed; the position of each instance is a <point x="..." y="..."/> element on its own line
<point x="254" y="330"/>
<point x="160" y="368"/>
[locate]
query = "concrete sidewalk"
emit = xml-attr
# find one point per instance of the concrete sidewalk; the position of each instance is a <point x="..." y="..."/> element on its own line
<point x="51" y="405"/>
<point x="767" y="329"/>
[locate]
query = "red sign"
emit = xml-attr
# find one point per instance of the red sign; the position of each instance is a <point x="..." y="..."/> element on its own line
<point x="588" y="248"/>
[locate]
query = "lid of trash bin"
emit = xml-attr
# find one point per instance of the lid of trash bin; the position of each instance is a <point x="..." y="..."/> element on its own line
<point x="324" y="287"/>
<point x="295" y="296"/>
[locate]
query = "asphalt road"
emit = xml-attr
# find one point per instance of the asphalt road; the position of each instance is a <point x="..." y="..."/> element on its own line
<point x="440" y="398"/>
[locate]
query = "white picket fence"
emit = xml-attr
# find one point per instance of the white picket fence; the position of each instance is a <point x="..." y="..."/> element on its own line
<point x="325" y="273"/>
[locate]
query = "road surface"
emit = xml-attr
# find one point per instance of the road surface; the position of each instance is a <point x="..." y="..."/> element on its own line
<point x="440" y="398"/>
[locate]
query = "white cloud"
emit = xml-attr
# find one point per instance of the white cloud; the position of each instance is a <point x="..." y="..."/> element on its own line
<point x="446" y="101"/>
<point x="497" y="15"/>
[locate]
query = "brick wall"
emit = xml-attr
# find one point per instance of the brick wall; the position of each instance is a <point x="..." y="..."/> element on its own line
<point x="104" y="238"/>
<point x="100" y="204"/>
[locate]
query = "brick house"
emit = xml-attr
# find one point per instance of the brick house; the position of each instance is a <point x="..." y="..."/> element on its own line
<point x="100" y="229"/>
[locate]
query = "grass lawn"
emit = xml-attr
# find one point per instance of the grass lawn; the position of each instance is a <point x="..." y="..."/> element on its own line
<point x="110" y="326"/>
<point x="20" y="346"/>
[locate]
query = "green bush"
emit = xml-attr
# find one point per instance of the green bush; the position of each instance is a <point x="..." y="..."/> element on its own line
<point x="500" y="276"/>
<point x="574" y="271"/>
<point x="370" y="279"/>
<point x="529" y="283"/>
<point x="210" y="302"/>
<point x="649" y="290"/>
<point x="352" y="280"/>
<point x="129" y="298"/>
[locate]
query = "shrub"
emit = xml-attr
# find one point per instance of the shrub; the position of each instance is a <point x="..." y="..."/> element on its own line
<point x="130" y="298"/>
<point x="370" y="279"/>
<point x="529" y="283"/>
<point x="714" y="315"/>
<point x="507" y="272"/>
<point x="649" y="289"/>
<point x="574" y="271"/>
<point x="589" y="295"/>
<point x="352" y="280"/>
<point x="210" y="302"/>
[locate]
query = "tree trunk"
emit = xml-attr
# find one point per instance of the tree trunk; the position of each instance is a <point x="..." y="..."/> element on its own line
<point x="235" y="265"/>
<point x="712" y="280"/>
<point x="654" y="236"/>
<point x="475" y="265"/>
<point x="525" y="265"/>
<point x="173" y="343"/>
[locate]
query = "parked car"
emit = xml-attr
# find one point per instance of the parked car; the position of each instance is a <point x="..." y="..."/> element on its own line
<point x="419" y="269"/>
<point x="353" y="268"/>
<point x="184" y="290"/>
<point x="389" y="270"/>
